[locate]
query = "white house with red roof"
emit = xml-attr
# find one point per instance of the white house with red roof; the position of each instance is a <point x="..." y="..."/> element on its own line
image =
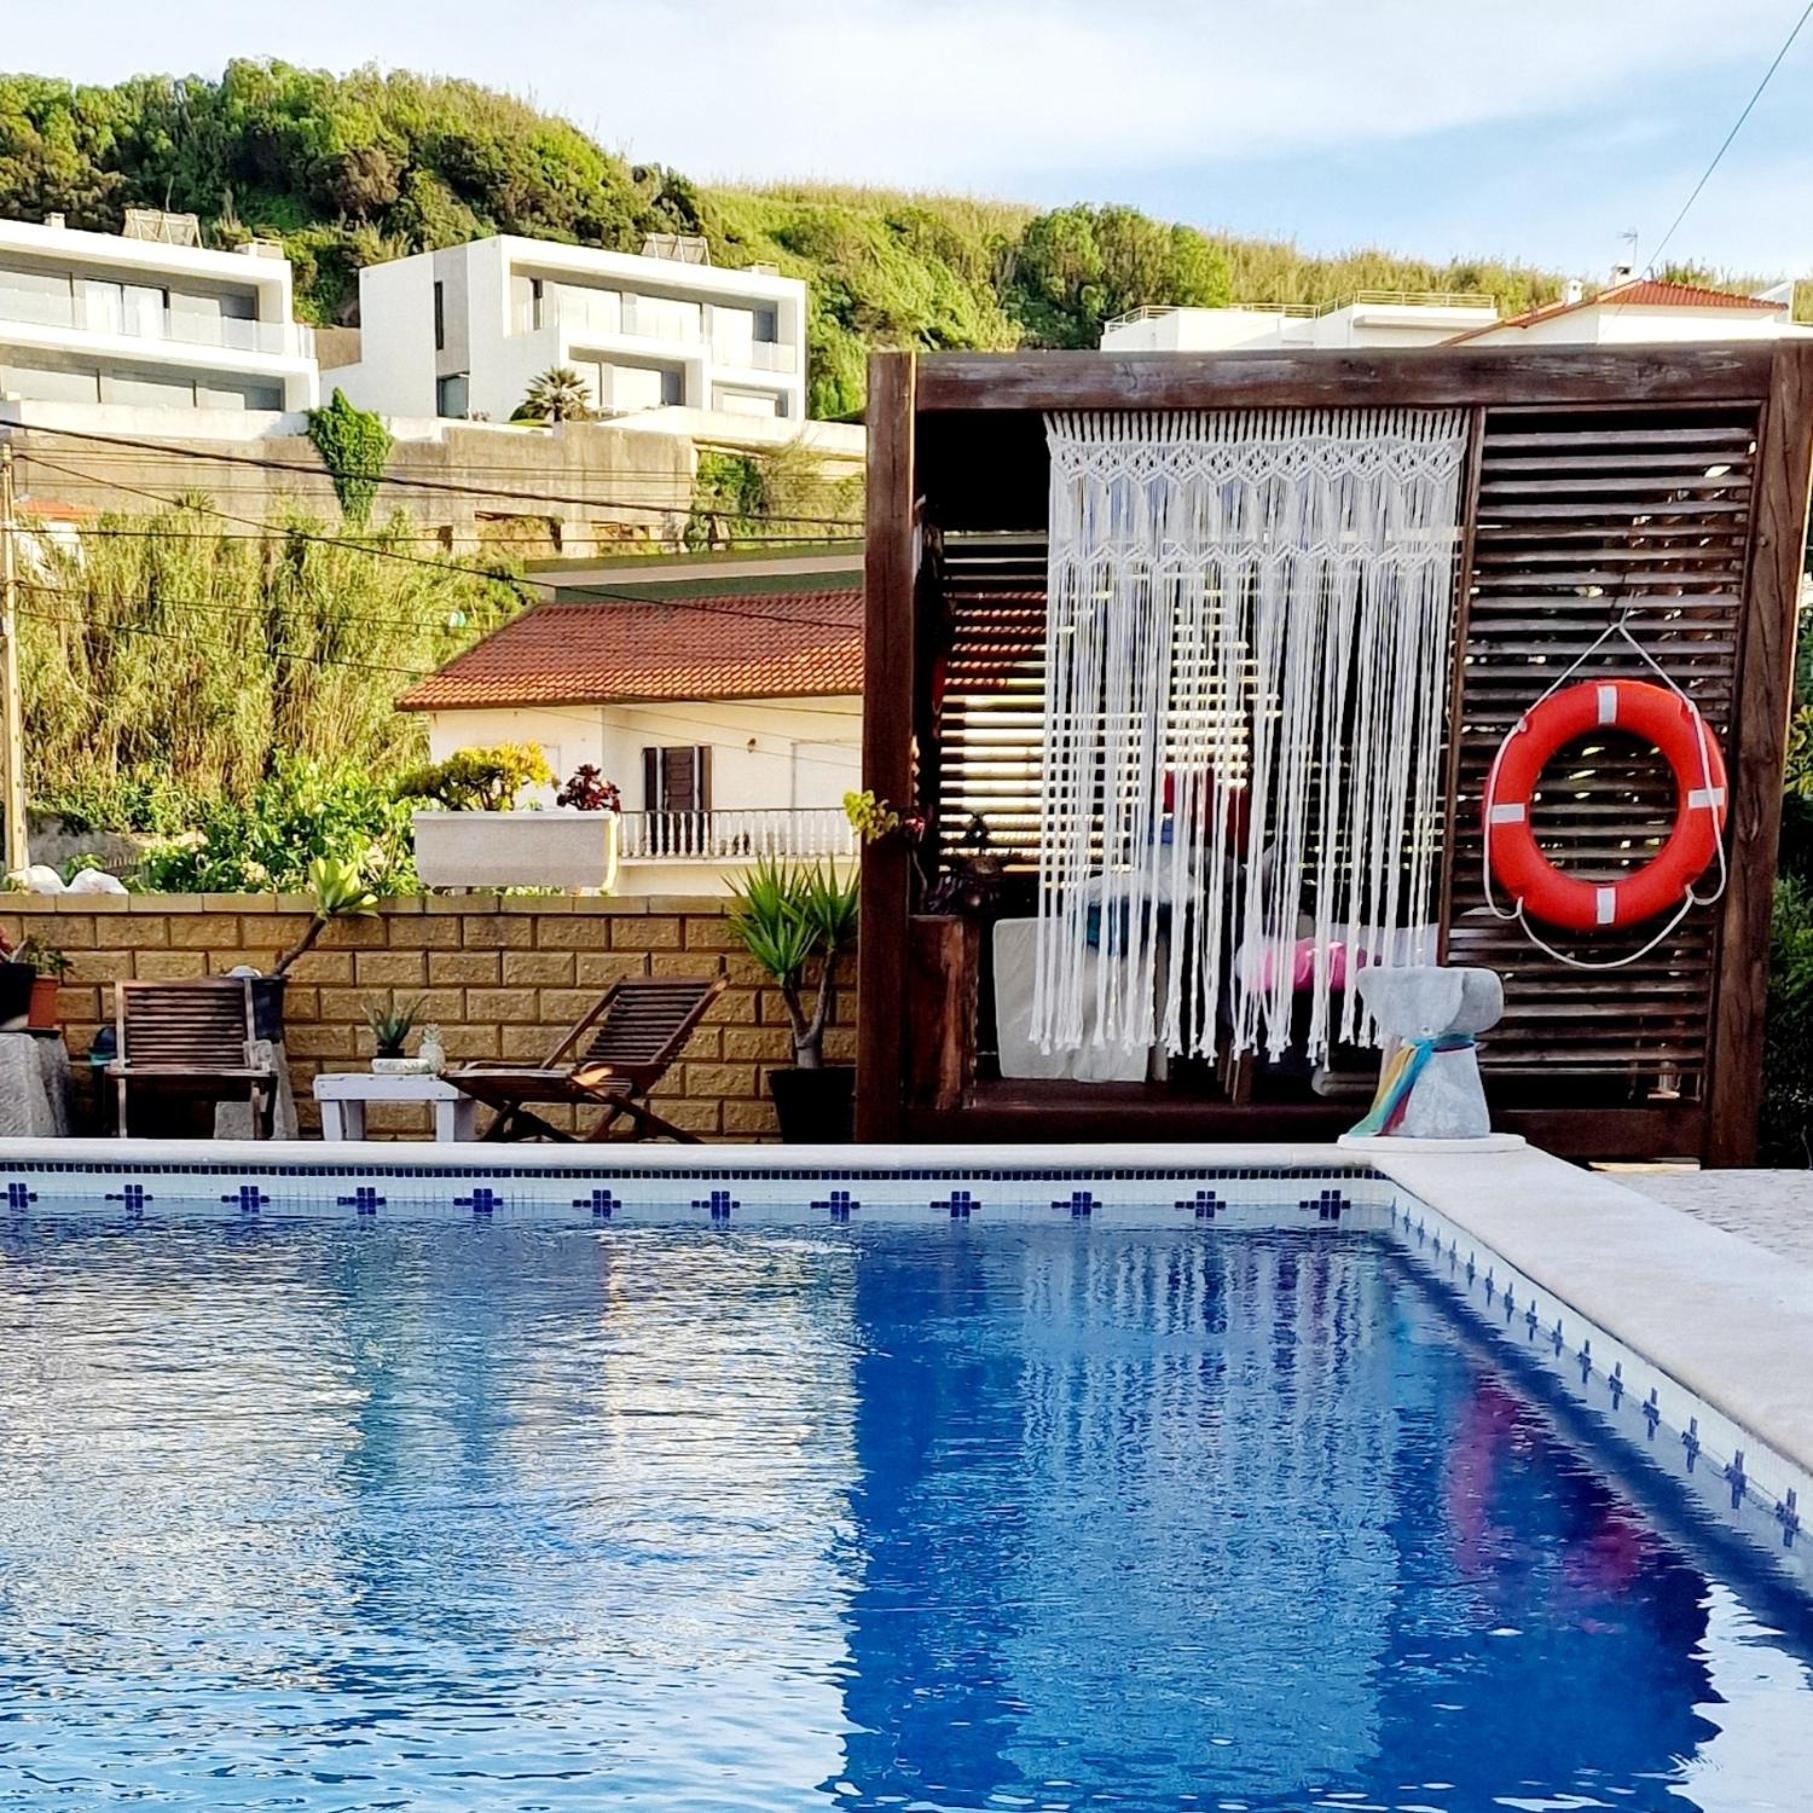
<point x="1641" y="311"/>
<point x="1630" y="310"/>
<point x="723" y="699"/>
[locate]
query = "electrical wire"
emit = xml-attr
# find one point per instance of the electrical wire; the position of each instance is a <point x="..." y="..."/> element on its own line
<point x="406" y="483"/>
<point x="652" y="713"/>
<point x="1737" y="127"/>
<point x="496" y="576"/>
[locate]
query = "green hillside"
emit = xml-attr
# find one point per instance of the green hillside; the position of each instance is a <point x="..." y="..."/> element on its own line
<point x="348" y="170"/>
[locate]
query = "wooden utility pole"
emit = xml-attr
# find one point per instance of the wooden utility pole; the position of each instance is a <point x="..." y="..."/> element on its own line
<point x="12" y="720"/>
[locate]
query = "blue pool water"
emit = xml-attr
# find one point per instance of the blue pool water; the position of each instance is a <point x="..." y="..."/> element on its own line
<point x="317" y="1516"/>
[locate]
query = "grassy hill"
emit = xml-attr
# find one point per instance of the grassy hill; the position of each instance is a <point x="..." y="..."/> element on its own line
<point x="348" y="170"/>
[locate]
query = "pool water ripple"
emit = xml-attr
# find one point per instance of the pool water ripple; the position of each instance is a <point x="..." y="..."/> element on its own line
<point x="323" y="1516"/>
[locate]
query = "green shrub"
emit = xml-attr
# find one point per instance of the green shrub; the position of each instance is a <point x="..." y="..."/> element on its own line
<point x="302" y="813"/>
<point x="1786" y="1126"/>
<point x="479" y="780"/>
<point x="354" y="446"/>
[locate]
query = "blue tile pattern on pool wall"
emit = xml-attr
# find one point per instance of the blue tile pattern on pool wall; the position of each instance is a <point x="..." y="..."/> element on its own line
<point x="602" y="1191"/>
<point x="1743" y="1484"/>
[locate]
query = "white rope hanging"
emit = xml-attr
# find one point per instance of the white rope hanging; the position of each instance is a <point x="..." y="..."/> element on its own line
<point x="1251" y="608"/>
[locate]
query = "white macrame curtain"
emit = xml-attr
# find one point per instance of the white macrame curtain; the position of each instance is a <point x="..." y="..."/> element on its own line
<point x="1248" y="629"/>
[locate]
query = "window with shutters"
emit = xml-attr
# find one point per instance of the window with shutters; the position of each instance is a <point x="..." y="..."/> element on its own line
<point x="676" y="792"/>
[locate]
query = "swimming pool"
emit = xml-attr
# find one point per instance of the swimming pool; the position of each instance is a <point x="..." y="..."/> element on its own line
<point x="1148" y="1510"/>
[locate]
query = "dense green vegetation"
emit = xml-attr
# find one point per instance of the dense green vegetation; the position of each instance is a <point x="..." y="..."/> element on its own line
<point x="354" y="446"/>
<point x="177" y="660"/>
<point x="348" y="170"/>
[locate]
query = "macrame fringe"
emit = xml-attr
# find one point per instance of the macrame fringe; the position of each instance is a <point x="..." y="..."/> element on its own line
<point x="1250" y="609"/>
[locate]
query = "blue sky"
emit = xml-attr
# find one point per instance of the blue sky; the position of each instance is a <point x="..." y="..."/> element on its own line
<point x="1539" y="130"/>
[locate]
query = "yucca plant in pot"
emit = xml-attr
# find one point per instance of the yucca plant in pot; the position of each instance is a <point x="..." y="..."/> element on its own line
<point x="795" y="919"/>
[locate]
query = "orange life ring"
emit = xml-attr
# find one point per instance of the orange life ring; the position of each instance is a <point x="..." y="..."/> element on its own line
<point x="1659" y="716"/>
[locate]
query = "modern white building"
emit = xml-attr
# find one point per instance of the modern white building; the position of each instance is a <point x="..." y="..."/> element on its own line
<point x="1372" y="318"/>
<point x="1628" y="311"/>
<point x="465" y="331"/>
<point x="104" y="319"/>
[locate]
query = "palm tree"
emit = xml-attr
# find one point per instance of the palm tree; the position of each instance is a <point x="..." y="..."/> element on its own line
<point x="556" y="395"/>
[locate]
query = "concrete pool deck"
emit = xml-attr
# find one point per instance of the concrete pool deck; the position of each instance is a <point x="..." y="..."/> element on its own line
<point x="1678" y="1266"/>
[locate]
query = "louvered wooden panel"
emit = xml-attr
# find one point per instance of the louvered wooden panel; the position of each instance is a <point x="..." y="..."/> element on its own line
<point x="1581" y="515"/>
<point x="992" y="705"/>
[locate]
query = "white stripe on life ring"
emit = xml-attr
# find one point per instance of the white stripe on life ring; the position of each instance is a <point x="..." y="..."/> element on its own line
<point x="1608" y="705"/>
<point x="1705" y="799"/>
<point x="1507" y="815"/>
<point x="1605" y="904"/>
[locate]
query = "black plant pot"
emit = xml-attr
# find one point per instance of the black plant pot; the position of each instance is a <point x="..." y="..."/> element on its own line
<point x="15" y="993"/>
<point x="816" y="1107"/>
<point x="267" y="1006"/>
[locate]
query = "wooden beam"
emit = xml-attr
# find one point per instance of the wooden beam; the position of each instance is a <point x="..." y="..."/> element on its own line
<point x="889" y="572"/>
<point x="1765" y="698"/>
<point x="1457" y="673"/>
<point x="1431" y="377"/>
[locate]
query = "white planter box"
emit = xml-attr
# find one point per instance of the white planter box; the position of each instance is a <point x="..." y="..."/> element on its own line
<point x="557" y="849"/>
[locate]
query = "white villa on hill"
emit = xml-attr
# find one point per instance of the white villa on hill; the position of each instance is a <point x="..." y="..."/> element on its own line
<point x="1629" y="310"/>
<point x="149" y="319"/>
<point x="465" y="330"/>
<point x="722" y="697"/>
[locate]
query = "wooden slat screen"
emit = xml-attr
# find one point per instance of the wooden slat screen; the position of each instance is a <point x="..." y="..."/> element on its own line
<point x="992" y="702"/>
<point x="1583" y="515"/>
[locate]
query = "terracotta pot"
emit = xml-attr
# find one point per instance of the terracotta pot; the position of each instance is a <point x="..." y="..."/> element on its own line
<point x="43" y="1013"/>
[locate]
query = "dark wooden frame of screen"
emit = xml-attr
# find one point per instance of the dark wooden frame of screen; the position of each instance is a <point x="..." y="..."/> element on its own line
<point x="920" y="411"/>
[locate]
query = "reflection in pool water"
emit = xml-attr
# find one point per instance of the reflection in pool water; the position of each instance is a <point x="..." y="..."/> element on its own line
<point x="512" y="1517"/>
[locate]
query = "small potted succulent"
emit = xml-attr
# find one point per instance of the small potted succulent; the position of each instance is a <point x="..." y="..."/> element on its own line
<point x="391" y="1025"/>
<point x="340" y="893"/>
<point x="49" y="966"/>
<point x="470" y="834"/>
<point x="794" y="920"/>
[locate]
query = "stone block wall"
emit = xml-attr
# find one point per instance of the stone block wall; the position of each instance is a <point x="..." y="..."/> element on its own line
<point x="503" y="976"/>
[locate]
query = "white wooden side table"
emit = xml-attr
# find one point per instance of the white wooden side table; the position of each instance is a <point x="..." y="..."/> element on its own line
<point x="343" y="1096"/>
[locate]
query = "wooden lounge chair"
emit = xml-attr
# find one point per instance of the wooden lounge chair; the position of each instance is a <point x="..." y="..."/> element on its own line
<point x="193" y="1038"/>
<point x="635" y="1032"/>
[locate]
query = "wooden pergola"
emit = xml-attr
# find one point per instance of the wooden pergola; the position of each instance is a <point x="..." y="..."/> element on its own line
<point x="1673" y="478"/>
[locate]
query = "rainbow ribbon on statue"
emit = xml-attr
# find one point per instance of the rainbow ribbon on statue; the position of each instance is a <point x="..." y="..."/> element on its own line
<point x="1398" y="1078"/>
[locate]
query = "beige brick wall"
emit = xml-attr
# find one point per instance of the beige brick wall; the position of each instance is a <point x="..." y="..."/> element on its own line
<point x="503" y="977"/>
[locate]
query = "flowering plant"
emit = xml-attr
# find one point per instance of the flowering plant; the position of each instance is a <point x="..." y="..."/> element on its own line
<point x="589" y="791"/>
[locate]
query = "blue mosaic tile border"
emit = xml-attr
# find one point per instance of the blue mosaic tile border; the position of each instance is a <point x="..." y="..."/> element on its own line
<point x="1730" y="1473"/>
<point x="713" y="1194"/>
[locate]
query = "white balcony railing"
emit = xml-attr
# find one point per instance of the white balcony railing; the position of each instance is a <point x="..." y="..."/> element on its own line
<point x="736" y="835"/>
<point x="773" y="355"/>
<point x="229" y="333"/>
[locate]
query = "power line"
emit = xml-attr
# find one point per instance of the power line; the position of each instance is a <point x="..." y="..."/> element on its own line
<point x="495" y="576"/>
<point x="275" y="654"/>
<point x="654" y="713"/>
<point x="1737" y="127"/>
<point x="414" y="484"/>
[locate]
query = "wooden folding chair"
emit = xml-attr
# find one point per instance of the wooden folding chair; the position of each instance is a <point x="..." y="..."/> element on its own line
<point x="194" y="1038"/>
<point x="636" y="1031"/>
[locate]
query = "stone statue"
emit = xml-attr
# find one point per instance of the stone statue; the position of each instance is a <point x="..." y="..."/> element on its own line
<point x="1429" y="1084"/>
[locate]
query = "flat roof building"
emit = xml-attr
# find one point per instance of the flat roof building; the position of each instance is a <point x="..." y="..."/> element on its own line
<point x="466" y="330"/>
<point x="100" y="318"/>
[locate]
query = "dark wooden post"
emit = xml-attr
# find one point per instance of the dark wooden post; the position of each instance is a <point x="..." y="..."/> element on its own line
<point x="889" y="574"/>
<point x="1764" y="700"/>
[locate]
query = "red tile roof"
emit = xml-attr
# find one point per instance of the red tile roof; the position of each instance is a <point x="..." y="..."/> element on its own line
<point x="765" y="645"/>
<point x="1639" y="292"/>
